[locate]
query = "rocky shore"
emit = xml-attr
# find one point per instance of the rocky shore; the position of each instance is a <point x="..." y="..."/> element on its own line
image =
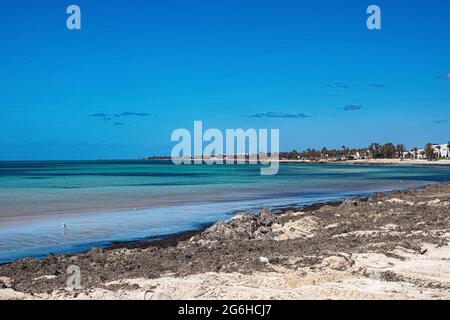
<point x="388" y="246"/>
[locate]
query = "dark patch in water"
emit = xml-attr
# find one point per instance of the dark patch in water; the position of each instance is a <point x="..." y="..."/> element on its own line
<point x="38" y="178"/>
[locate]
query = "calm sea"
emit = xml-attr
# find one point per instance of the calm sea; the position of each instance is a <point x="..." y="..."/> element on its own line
<point x="105" y="201"/>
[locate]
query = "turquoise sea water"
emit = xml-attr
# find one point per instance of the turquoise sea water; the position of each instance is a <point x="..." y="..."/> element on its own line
<point x="106" y="201"/>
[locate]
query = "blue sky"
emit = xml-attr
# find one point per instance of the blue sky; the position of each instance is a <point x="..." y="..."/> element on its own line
<point x="310" y="68"/>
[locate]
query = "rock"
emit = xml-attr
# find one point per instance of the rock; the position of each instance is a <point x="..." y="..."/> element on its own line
<point x="326" y="207"/>
<point x="434" y="202"/>
<point x="395" y="200"/>
<point x="331" y="226"/>
<point x="5" y="282"/>
<point x="389" y="226"/>
<point x="95" y="251"/>
<point x="266" y="218"/>
<point x="347" y="204"/>
<point x="239" y="227"/>
<point x="302" y="228"/>
<point x="48" y="277"/>
<point x="159" y="295"/>
<point x="242" y="227"/>
<point x="337" y="263"/>
<point x="399" y="201"/>
<point x="264" y="260"/>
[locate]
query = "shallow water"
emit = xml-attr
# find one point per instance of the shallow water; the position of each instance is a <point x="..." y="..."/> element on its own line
<point x="105" y="201"/>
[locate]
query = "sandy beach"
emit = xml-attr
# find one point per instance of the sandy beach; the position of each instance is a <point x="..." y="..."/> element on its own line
<point x="389" y="246"/>
<point x="441" y="162"/>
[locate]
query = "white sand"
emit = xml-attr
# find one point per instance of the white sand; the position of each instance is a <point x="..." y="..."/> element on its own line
<point x="426" y="276"/>
<point x="379" y="161"/>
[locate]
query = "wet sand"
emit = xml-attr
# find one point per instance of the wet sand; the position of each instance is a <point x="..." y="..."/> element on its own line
<point x="388" y="246"/>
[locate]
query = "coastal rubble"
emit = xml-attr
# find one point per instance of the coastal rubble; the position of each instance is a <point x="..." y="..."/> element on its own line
<point x="388" y="246"/>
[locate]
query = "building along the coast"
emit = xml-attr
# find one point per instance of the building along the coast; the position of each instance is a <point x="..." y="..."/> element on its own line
<point x="440" y="150"/>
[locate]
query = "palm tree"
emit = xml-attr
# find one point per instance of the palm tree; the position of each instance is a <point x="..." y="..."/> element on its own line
<point x="400" y="150"/>
<point x="429" y="151"/>
<point x="388" y="150"/>
<point x="448" y="149"/>
<point x="374" y="150"/>
<point x="342" y="151"/>
<point x="415" y="149"/>
<point x="439" y="151"/>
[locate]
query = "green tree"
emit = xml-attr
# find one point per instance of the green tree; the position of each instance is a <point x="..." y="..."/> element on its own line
<point x="429" y="151"/>
<point x="388" y="150"/>
<point x="448" y="149"/>
<point x="400" y="150"/>
<point x="375" y="150"/>
<point x="416" y="152"/>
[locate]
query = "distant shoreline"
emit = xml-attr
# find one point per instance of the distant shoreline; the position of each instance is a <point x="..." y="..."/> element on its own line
<point x="441" y="162"/>
<point x="375" y="161"/>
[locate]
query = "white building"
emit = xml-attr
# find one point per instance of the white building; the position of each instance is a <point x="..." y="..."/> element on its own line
<point x="408" y="154"/>
<point x="441" y="150"/>
<point x="421" y="154"/>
